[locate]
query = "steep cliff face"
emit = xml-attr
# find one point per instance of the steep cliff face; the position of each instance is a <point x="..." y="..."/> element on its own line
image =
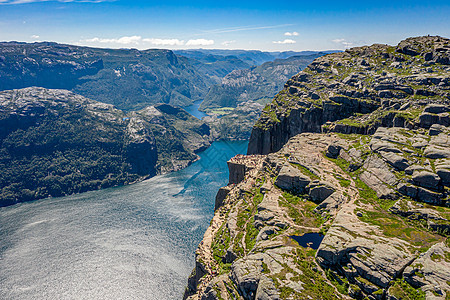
<point x="357" y="208"/>
<point x="362" y="88"/>
<point x="54" y="143"/>
<point x="332" y="216"/>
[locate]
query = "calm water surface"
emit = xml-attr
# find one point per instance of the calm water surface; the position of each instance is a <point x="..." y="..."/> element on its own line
<point x="132" y="242"/>
<point x="193" y="109"/>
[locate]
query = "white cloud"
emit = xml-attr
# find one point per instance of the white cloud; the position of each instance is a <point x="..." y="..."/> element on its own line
<point x="165" y="42"/>
<point x="294" y="33"/>
<point x="34" y="36"/>
<point x="138" y="40"/>
<point x="343" y="42"/>
<point x="286" y="41"/>
<point x="200" y="42"/>
<point x="125" y="40"/>
<point x="228" y="43"/>
<point x="63" y="1"/>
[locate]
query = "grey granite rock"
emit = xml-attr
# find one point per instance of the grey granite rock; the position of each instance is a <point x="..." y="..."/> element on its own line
<point x="292" y="179"/>
<point x="426" y="179"/>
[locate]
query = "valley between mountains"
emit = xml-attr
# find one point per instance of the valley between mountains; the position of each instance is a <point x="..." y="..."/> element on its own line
<point x="75" y="119"/>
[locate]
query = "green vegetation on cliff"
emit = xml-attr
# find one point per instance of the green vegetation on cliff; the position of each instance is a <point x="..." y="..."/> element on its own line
<point x="55" y="143"/>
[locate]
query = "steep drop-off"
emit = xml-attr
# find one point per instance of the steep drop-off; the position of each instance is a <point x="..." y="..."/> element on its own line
<point x="357" y="209"/>
<point x="361" y="88"/>
<point x="54" y="143"/>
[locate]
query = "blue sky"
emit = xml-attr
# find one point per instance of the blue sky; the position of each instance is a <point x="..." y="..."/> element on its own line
<point x="263" y="25"/>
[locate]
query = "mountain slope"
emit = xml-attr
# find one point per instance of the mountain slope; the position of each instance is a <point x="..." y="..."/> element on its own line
<point x="54" y="143"/>
<point x="127" y="78"/>
<point x="259" y="83"/>
<point x="393" y="82"/>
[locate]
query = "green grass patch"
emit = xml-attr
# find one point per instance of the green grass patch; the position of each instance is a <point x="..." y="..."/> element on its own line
<point x="305" y="171"/>
<point x="402" y="290"/>
<point x="395" y="226"/>
<point x="301" y="211"/>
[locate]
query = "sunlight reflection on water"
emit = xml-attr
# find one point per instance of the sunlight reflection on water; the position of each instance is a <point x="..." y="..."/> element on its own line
<point x="132" y="242"/>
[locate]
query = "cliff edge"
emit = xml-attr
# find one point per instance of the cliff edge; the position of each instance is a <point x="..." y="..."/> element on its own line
<point x="357" y="91"/>
<point x="356" y="208"/>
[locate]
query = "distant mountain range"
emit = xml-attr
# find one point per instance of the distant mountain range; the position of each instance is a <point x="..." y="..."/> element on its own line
<point x="251" y="57"/>
<point x="128" y="78"/>
<point x="258" y="83"/>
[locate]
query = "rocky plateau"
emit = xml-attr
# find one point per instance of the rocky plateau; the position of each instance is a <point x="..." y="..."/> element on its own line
<point x="345" y="191"/>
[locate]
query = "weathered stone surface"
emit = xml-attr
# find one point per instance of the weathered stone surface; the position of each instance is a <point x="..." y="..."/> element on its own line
<point x="377" y="175"/>
<point x="431" y="271"/>
<point x="374" y="258"/>
<point x="237" y="172"/>
<point x="333" y="151"/>
<point x="292" y="179"/>
<point x="320" y="192"/>
<point x="444" y="174"/>
<point x="415" y="168"/>
<point x="378" y="145"/>
<point x="220" y="197"/>
<point x="247" y="274"/>
<point x="436" y="108"/>
<point x="435" y="129"/>
<point x="395" y="160"/>
<point x="428" y="196"/>
<point x="426" y="179"/>
<point x="331" y="204"/>
<point x="428" y="119"/>
<point x="436" y="152"/>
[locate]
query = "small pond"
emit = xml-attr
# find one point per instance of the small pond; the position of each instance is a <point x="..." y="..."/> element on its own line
<point x="311" y="239"/>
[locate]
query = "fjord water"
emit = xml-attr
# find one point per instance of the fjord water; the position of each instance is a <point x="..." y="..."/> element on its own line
<point x="193" y="109"/>
<point x="131" y="242"/>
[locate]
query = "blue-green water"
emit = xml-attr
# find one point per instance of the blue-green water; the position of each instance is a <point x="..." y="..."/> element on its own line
<point x="132" y="242"/>
<point x="193" y="109"/>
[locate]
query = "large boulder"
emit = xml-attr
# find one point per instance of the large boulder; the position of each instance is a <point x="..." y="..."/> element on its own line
<point x="435" y="152"/>
<point x="333" y="151"/>
<point x="292" y="179"/>
<point x="320" y="191"/>
<point x="426" y="179"/>
<point x="435" y="129"/>
<point x="378" y="177"/>
<point x="436" y="108"/>
<point x="444" y="174"/>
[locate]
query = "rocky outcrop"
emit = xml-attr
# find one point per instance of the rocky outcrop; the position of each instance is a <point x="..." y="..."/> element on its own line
<point x="55" y="143"/>
<point x="292" y="179"/>
<point x="373" y="238"/>
<point x="430" y="272"/>
<point x="358" y="91"/>
<point x="381" y="200"/>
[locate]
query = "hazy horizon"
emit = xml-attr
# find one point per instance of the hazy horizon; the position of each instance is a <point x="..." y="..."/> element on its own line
<point x="250" y="25"/>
